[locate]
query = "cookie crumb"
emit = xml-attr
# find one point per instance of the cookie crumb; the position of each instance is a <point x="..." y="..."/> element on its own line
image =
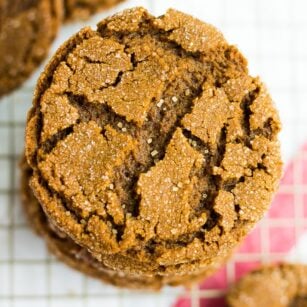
<point x="174" y="99"/>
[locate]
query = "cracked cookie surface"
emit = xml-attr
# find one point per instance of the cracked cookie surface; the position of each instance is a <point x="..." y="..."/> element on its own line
<point x="150" y="144"/>
<point x="27" y="29"/>
<point x="281" y="285"/>
<point x="78" y="258"/>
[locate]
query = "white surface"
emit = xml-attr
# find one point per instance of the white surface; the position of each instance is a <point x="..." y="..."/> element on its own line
<point x="271" y="34"/>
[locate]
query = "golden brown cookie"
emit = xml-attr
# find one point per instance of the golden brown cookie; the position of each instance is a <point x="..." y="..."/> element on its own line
<point x="272" y="286"/>
<point x="82" y="9"/>
<point x="27" y="29"/>
<point x="151" y="145"/>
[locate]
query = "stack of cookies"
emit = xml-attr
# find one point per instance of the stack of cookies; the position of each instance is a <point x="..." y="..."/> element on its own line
<point x="150" y="151"/>
<point x="27" y="29"/>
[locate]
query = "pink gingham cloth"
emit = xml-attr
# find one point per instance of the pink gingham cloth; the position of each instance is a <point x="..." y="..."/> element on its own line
<point x="273" y="239"/>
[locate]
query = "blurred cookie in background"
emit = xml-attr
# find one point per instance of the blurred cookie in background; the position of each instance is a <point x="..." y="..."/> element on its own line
<point x="27" y="29"/>
<point x="279" y="286"/>
<point x="82" y="9"/>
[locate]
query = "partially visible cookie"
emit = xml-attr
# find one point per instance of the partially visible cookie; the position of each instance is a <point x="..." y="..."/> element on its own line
<point x="82" y="9"/>
<point x="273" y="286"/>
<point x="27" y="29"/>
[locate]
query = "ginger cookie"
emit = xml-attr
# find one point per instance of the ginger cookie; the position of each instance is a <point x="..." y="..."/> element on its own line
<point x="150" y="144"/>
<point x="27" y="29"/>
<point x="279" y="286"/>
<point x="82" y="9"/>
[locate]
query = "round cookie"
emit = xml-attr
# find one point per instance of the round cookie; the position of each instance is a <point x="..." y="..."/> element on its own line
<point x="151" y="145"/>
<point x="27" y="29"/>
<point x="77" y="257"/>
<point x="82" y="9"/>
<point x="279" y="286"/>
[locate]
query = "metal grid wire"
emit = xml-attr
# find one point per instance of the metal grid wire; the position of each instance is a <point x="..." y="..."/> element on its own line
<point x="272" y="35"/>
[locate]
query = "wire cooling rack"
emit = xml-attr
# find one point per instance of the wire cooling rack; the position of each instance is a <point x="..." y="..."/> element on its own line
<point x="272" y="35"/>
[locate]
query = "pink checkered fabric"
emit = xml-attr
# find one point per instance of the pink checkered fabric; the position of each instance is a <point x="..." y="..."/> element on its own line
<point x="269" y="242"/>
